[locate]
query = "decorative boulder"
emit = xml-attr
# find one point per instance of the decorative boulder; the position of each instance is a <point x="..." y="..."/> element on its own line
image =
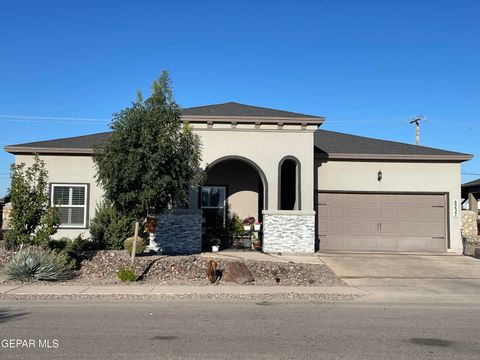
<point x="237" y="272"/>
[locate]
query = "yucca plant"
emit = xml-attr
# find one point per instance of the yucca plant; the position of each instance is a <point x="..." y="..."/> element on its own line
<point x="34" y="265"/>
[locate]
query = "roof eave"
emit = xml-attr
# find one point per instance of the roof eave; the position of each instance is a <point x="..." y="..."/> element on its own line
<point x="46" y="150"/>
<point x="397" y="157"/>
<point x="253" y="119"/>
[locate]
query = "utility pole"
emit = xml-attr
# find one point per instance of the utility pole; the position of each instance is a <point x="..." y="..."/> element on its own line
<point x="416" y="120"/>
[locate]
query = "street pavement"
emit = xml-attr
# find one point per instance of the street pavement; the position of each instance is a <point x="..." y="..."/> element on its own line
<point x="88" y="329"/>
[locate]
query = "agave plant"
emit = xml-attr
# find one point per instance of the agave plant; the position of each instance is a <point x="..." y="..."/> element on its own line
<point x="33" y="265"/>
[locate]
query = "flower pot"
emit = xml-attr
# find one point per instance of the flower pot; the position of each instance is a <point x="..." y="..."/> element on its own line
<point x="257" y="227"/>
<point x="215" y="248"/>
<point x="247" y="227"/>
<point x="257" y="245"/>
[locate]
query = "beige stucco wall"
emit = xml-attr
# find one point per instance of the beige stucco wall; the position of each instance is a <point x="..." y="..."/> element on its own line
<point x="266" y="148"/>
<point x="70" y="169"/>
<point x="397" y="177"/>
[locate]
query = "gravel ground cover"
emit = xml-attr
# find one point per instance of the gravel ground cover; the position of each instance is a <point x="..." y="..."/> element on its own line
<point x="100" y="268"/>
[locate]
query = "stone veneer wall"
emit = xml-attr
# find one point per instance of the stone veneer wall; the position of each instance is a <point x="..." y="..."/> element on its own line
<point x="289" y="231"/>
<point x="469" y="226"/>
<point x="179" y="232"/>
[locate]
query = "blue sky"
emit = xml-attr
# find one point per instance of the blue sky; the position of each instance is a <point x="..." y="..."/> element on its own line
<point x="367" y="66"/>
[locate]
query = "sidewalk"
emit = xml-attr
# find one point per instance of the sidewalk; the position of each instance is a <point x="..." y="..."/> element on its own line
<point x="176" y="290"/>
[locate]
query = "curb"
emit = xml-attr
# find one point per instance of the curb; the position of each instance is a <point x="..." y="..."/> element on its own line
<point x="178" y="292"/>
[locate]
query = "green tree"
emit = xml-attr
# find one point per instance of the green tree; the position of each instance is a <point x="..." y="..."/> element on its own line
<point x="32" y="220"/>
<point x="151" y="159"/>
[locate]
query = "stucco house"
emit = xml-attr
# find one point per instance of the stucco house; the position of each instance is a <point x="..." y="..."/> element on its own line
<point x="311" y="188"/>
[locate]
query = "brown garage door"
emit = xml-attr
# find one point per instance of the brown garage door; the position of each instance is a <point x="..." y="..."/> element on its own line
<point x="383" y="222"/>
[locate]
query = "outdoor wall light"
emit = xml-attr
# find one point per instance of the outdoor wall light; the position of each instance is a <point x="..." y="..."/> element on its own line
<point x="379" y="175"/>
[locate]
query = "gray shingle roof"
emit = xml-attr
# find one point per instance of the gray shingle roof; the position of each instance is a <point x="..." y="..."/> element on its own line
<point x="76" y="144"/>
<point x="333" y="144"/>
<point x="235" y="109"/>
<point x="329" y="144"/>
<point x="473" y="183"/>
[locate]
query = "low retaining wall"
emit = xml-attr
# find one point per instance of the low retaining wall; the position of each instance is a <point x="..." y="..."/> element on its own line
<point x="179" y="232"/>
<point x="289" y="231"/>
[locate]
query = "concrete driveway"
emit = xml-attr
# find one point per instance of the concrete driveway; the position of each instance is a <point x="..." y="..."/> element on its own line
<point x="404" y="275"/>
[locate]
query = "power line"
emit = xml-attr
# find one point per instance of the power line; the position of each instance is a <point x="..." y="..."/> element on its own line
<point x="38" y="121"/>
<point x="51" y="118"/>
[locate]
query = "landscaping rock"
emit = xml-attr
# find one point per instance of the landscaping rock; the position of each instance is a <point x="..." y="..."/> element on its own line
<point x="469" y="226"/>
<point x="100" y="267"/>
<point x="237" y="272"/>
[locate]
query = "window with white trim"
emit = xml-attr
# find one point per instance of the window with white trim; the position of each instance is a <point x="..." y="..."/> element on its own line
<point x="71" y="200"/>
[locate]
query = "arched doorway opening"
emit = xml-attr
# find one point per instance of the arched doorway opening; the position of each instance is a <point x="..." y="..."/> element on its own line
<point x="235" y="189"/>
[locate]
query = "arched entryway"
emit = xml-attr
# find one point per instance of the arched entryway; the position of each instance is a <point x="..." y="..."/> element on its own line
<point x="234" y="187"/>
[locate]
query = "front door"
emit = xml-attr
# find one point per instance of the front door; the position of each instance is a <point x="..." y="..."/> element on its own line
<point x="213" y="203"/>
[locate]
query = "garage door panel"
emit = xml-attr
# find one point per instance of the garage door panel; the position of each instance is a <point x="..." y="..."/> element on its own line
<point x="360" y="213"/>
<point x="420" y="215"/>
<point x="346" y="228"/>
<point x="436" y="215"/>
<point x="405" y="228"/>
<point x="336" y="212"/>
<point x="348" y="242"/>
<point x="388" y="222"/>
<point x="387" y="213"/>
<point x="388" y="243"/>
<point x="388" y="228"/>
<point x="419" y="243"/>
<point x="405" y="214"/>
<point x="322" y="212"/>
<point x="436" y="200"/>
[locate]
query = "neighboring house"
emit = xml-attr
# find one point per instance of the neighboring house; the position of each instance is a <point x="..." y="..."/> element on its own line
<point x="312" y="189"/>
<point x="471" y="193"/>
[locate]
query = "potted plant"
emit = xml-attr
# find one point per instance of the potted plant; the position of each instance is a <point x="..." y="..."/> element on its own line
<point x="256" y="242"/>
<point x="248" y="223"/>
<point x="215" y="243"/>
<point x="257" y="226"/>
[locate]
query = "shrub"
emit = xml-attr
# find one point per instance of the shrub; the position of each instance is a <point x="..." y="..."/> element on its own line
<point x="13" y="240"/>
<point x="71" y="261"/>
<point x="58" y="245"/>
<point x="128" y="245"/>
<point x="32" y="265"/>
<point x="67" y="250"/>
<point x="235" y="225"/>
<point x="126" y="274"/>
<point x="109" y="228"/>
<point x="79" y="245"/>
